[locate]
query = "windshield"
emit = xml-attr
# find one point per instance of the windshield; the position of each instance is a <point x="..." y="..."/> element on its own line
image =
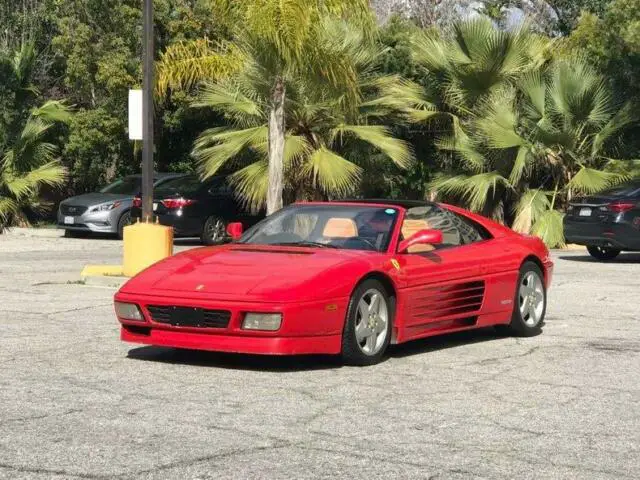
<point x="124" y="186"/>
<point x="352" y="227"/>
<point x="187" y="185"/>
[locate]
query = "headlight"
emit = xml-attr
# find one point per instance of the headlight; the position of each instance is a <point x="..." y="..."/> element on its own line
<point x="128" y="311"/>
<point x="105" y="207"/>
<point x="262" y="321"/>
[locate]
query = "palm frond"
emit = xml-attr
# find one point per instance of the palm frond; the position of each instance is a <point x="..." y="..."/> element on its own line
<point x="184" y="64"/>
<point x="251" y="184"/>
<point x="8" y="209"/>
<point x="244" y="111"/>
<point x="624" y="117"/>
<point x="215" y="147"/>
<point x="475" y="190"/>
<point x="24" y="185"/>
<point x="530" y="208"/>
<point x="591" y="180"/>
<point x="627" y="168"/>
<point x="379" y="137"/>
<point x="465" y="146"/>
<point x="53" y="111"/>
<point x="296" y="148"/>
<point x="332" y="173"/>
<point x="549" y="228"/>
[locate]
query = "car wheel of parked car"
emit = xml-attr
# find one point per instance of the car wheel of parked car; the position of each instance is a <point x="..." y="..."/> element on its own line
<point x="125" y="219"/>
<point x="367" y="330"/>
<point x="603" y="253"/>
<point x="214" y="231"/>
<point x="530" y="303"/>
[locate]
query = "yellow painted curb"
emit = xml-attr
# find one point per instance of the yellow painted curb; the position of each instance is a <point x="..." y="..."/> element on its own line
<point x="102" y="271"/>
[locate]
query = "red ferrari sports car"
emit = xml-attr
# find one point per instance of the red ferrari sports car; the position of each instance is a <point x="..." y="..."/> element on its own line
<point x="343" y="278"/>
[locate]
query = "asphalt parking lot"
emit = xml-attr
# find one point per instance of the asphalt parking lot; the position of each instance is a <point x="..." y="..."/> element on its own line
<point x="75" y="402"/>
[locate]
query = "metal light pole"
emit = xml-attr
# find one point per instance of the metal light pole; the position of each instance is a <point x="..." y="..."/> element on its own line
<point x="147" y="113"/>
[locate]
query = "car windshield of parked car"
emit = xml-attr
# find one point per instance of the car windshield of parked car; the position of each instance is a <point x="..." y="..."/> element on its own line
<point x="351" y="227"/>
<point x="184" y="186"/>
<point x="124" y="186"/>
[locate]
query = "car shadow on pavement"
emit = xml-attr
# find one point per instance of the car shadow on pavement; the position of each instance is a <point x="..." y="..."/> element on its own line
<point x="622" y="258"/>
<point x="298" y="363"/>
<point x="443" y="342"/>
<point x="188" y="242"/>
<point x="235" y="361"/>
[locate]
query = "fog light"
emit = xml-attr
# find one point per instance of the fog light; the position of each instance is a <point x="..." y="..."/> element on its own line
<point x="262" y="321"/>
<point x="128" y="311"/>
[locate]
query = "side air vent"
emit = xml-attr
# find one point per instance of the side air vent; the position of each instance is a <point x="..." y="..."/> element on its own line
<point x="460" y="299"/>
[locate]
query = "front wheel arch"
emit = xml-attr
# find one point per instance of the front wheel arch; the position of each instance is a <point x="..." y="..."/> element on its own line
<point x="391" y="291"/>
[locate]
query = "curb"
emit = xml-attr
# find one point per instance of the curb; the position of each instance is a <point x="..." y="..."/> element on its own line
<point x="104" y="281"/>
<point x="103" y="275"/>
<point x="572" y="247"/>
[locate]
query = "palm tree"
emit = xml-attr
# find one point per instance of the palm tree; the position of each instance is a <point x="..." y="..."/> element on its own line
<point x="285" y="38"/>
<point x="27" y="161"/>
<point x="538" y="143"/>
<point x="323" y="126"/>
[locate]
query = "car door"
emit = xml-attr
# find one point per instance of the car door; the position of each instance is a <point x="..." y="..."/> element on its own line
<point x="445" y="282"/>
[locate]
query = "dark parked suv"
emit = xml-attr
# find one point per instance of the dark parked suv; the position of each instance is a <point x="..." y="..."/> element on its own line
<point x="607" y="223"/>
<point x="197" y="208"/>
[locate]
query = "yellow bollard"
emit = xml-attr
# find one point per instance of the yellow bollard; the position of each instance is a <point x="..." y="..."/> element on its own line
<point x="145" y="244"/>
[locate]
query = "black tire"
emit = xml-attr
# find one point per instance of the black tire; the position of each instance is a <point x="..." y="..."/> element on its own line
<point x="76" y="234"/>
<point x="125" y="219"/>
<point x="603" y="253"/>
<point x="214" y="231"/>
<point x="521" y="325"/>
<point x="352" y="350"/>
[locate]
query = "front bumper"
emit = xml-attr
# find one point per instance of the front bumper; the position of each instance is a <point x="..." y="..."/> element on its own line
<point x="623" y="236"/>
<point x="307" y="328"/>
<point x="98" y="222"/>
<point x="326" y="344"/>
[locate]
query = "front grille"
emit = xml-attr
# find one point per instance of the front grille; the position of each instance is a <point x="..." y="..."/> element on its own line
<point x="189" y="316"/>
<point x="72" y="209"/>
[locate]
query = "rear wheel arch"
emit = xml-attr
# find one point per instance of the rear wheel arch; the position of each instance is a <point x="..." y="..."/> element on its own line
<point x="537" y="261"/>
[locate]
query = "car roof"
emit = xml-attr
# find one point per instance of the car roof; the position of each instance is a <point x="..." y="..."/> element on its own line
<point x="387" y="201"/>
<point x="159" y="175"/>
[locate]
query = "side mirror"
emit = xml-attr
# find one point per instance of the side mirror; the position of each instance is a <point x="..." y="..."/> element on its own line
<point x="234" y="230"/>
<point x="430" y="237"/>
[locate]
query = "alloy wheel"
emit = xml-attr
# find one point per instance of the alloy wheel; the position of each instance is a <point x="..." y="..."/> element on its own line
<point x="372" y="322"/>
<point x="531" y="299"/>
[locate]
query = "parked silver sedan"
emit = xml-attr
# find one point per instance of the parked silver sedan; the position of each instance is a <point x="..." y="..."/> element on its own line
<point x="106" y="211"/>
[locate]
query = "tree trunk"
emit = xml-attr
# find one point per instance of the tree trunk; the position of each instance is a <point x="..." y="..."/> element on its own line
<point x="276" y="147"/>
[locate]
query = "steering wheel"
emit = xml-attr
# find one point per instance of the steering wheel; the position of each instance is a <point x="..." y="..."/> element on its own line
<point x="356" y="240"/>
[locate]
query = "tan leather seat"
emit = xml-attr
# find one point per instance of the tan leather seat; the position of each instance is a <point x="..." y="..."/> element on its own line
<point x="411" y="227"/>
<point x="340" y="228"/>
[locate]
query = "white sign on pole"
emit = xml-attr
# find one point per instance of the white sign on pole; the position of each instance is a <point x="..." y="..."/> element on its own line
<point x="135" y="114"/>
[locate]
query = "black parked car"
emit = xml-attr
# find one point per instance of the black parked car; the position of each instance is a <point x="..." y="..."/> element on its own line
<point x="607" y="223"/>
<point x="197" y="208"/>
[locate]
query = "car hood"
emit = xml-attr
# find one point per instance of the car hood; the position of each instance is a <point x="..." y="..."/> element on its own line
<point x="89" y="199"/>
<point x="254" y="273"/>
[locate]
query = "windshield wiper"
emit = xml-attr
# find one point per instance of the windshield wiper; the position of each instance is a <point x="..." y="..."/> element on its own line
<point x="305" y="243"/>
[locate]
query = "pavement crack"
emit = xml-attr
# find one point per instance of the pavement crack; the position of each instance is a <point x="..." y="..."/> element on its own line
<point x="50" y="471"/>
